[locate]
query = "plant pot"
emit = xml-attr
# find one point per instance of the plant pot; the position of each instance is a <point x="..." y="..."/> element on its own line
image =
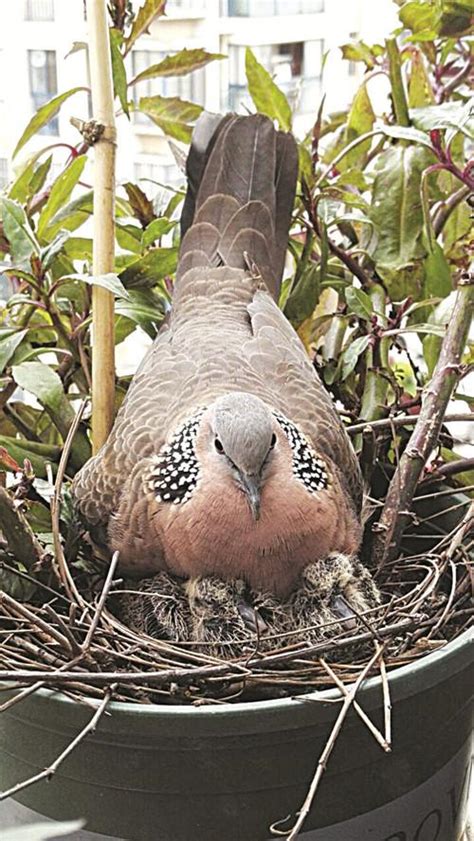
<point x="225" y="773"/>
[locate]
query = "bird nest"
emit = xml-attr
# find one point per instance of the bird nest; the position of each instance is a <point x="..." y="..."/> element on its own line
<point x="59" y="627"/>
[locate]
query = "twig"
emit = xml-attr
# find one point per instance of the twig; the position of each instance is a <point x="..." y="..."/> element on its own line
<point x="387" y="703"/>
<point x="326" y="753"/>
<point x="402" y="420"/>
<point x="447" y="207"/>
<point x="47" y="773"/>
<point x="66" y="577"/>
<point x="357" y="708"/>
<point x="452" y="468"/>
<point x="25" y="613"/>
<point x="101" y="602"/>
<point x="389" y="530"/>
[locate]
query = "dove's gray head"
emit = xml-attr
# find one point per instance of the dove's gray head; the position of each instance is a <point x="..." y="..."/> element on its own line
<point x="243" y="430"/>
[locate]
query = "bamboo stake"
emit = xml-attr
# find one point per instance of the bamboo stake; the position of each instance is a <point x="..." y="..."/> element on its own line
<point x="103" y="349"/>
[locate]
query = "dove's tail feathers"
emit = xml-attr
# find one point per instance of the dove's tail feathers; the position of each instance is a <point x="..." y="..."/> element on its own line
<point x="241" y="186"/>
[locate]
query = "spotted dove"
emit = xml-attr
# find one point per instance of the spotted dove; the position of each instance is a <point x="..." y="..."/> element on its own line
<point x="227" y="457"/>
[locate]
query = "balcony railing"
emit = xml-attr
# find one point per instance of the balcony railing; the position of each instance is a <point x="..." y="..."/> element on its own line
<point x="302" y="93"/>
<point x="39" y="10"/>
<point x="271" y="8"/>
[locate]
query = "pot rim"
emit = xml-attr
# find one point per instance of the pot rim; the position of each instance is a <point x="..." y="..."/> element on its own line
<point x="410" y="679"/>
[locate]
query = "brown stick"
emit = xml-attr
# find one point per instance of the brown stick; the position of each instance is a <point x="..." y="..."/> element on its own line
<point x="101" y="603"/>
<point x="357" y="708"/>
<point x="66" y="577"/>
<point x="47" y="773"/>
<point x="402" y="420"/>
<point x="397" y="508"/>
<point x="326" y="753"/>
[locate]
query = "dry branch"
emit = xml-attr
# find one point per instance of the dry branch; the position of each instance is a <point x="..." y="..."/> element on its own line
<point x="396" y="513"/>
<point x="48" y="772"/>
<point x="17" y="532"/>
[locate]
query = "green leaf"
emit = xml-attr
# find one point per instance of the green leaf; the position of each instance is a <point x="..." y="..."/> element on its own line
<point x="19" y="449"/>
<point x="266" y="95"/>
<point x="78" y="248"/>
<point x="456" y="19"/>
<point x="142" y="207"/>
<point x="171" y="115"/>
<point x="17" y="230"/>
<point x="61" y="191"/>
<point x="146" y="14"/>
<point x="43" y="116"/>
<point x="41" y="381"/>
<point x="129" y="237"/>
<point x="351" y="355"/>
<point x="9" y="341"/>
<point x="119" y="74"/>
<point x="108" y="281"/>
<point x="73" y="214"/>
<point x="420" y="17"/>
<point x="360" y="121"/>
<point x="358" y="51"/>
<point x="44" y="383"/>
<point x="155" y="265"/>
<point x="407" y="133"/>
<point x="439" y="318"/>
<point x="420" y="92"/>
<point x="437" y="283"/>
<point x="449" y="115"/>
<point x="302" y="300"/>
<point x="31" y="179"/>
<point x="359" y="302"/>
<point x="145" y="308"/>
<point x="48" y="254"/>
<point x="156" y="229"/>
<point x="398" y="216"/>
<point x="178" y="64"/>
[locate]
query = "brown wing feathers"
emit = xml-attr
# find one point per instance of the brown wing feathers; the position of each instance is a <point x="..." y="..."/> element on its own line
<point x="241" y="183"/>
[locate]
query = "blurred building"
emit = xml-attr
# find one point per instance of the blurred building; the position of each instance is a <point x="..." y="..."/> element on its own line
<point x="296" y="40"/>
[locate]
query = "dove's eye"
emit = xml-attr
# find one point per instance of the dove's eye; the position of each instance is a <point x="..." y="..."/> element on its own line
<point x="218" y="445"/>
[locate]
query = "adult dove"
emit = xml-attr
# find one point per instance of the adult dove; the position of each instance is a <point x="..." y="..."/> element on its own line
<point x="227" y="457"/>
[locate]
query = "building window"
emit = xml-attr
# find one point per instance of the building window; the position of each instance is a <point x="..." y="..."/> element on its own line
<point x="295" y="67"/>
<point x="39" y="10"/>
<point x="189" y="87"/>
<point x="3" y="172"/>
<point x="271" y="8"/>
<point x="352" y="68"/>
<point x="43" y="83"/>
<point x="157" y="176"/>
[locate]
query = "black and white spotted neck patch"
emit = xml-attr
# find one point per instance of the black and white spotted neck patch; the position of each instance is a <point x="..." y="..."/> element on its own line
<point x="176" y="470"/>
<point x="307" y="466"/>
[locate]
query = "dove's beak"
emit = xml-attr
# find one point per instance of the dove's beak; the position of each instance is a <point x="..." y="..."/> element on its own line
<point x="251" y="487"/>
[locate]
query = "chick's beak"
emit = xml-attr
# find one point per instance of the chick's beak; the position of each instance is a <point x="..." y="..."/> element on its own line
<point x="251" y="486"/>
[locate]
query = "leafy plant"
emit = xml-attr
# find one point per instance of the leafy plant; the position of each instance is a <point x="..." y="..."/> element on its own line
<point x="381" y="235"/>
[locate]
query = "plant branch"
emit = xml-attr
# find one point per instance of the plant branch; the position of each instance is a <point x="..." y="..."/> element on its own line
<point x="328" y="748"/>
<point x="445" y="209"/>
<point x="17" y="532"/>
<point x="400" y="105"/>
<point x="396" y="512"/>
<point x="47" y="773"/>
